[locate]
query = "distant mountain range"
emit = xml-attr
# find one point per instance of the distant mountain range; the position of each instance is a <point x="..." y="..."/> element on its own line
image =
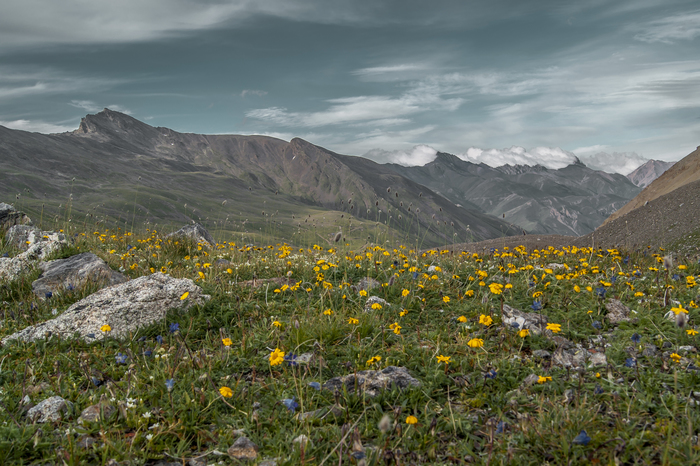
<point x="651" y="170"/>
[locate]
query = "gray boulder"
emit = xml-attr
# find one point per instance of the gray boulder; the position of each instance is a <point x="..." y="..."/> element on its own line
<point x="50" y="410"/>
<point x="372" y="382"/>
<point x="518" y="320"/>
<point x="617" y="312"/>
<point x="243" y="449"/>
<point x="9" y="216"/>
<point x="75" y="272"/>
<point x="20" y="236"/>
<point x="196" y="233"/>
<point x="125" y="308"/>
<point x="40" y="246"/>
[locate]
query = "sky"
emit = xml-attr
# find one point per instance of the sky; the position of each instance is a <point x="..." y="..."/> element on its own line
<point x="614" y="83"/>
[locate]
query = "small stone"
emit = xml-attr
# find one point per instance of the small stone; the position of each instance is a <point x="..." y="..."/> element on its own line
<point x="50" y="410"/>
<point x="92" y="413"/>
<point x="530" y="380"/>
<point x="196" y="233"/>
<point x="542" y="354"/>
<point x="650" y="351"/>
<point x="36" y="389"/>
<point x="687" y="349"/>
<point x="617" y="312"/>
<point x="597" y="359"/>
<point x="243" y="449"/>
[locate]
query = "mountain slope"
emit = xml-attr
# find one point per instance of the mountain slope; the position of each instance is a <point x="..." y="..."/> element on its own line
<point x="119" y="169"/>
<point x="651" y="170"/>
<point x="571" y="201"/>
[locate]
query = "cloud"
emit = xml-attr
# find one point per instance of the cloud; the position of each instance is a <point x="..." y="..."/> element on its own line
<point x="36" y="126"/>
<point x="91" y="107"/>
<point x="246" y="92"/>
<point x="550" y="157"/>
<point x="623" y="163"/>
<point x="671" y="29"/>
<point x="418" y="156"/>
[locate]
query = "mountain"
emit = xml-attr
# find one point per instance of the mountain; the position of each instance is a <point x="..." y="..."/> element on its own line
<point x="651" y="170"/>
<point x="117" y="171"/>
<point x="573" y="200"/>
<point x="683" y="172"/>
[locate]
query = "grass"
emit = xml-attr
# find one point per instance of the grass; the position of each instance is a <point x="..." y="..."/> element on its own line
<point x="474" y="409"/>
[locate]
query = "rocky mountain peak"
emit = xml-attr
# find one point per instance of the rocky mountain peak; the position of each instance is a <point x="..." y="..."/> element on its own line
<point x="110" y="122"/>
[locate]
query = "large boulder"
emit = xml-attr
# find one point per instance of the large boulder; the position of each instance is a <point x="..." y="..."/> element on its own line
<point x="372" y="382"/>
<point x="10" y="217"/>
<point x="196" y="233"/>
<point x="125" y="308"/>
<point x="75" y="272"/>
<point x="50" y="410"/>
<point x="39" y="247"/>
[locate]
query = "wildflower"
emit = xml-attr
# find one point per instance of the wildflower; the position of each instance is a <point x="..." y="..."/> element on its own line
<point x="536" y="294"/>
<point x="491" y="374"/>
<point x="201" y="274"/>
<point x="121" y="358"/>
<point x="597" y="375"/>
<point x="523" y="333"/>
<point x="291" y="359"/>
<point x="679" y="309"/>
<point x="411" y="420"/>
<point x="485" y="320"/>
<point x="396" y="328"/>
<point x="445" y="299"/>
<point x="461" y="319"/>
<point x="405" y="293"/>
<point x="376" y="306"/>
<point x="373" y="359"/>
<point x="106" y="328"/>
<point x="227" y="342"/>
<point x="601" y="291"/>
<point x="676" y="357"/>
<point x="597" y="325"/>
<point x="542" y="379"/>
<point x="353" y="321"/>
<point x="315" y="385"/>
<point x="691" y="332"/>
<point x="290" y="404"/>
<point x="328" y="312"/>
<point x="469" y="293"/>
<point x="598" y="390"/>
<point x="536" y="306"/>
<point x="363" y="293"/>
<point x="556" y="328"/>
<point x="276" y="357"/>
<point x="170" y="384"/>
<point x="185" y="295"/>
<point x="638" y="294"/>
<point x="445" y="359"/>
<point x="630" y="362"/>
<point x="159" y="339"/>
<point x="403" y="313"/>
<point x="475" y="343"/>
<point x="636" y="338"/>
<point x="496" y="288"/>
<point x="581" y="439"/>
<point x="577" y="289"/>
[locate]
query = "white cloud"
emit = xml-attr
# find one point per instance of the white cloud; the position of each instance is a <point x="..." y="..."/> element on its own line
<point x="550" y="157"/>
<point x="259" y="93"/>
<point x="92" y="107"/>
<point x="36" y="126"/>
<point x="671" y="29"/>
<point x="418" y="156"/>
<point x="623" y="163"/>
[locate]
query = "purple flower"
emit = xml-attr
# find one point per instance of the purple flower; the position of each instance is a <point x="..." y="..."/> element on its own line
<point x="174" y="327"/>
<point x="159" y="339"/>
<point x="121" y="358"/>
<point x="598" y="389"/>
<point x="48" y="294"/>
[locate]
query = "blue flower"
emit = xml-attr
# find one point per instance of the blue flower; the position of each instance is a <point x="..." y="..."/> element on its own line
<point x="598" y="389"/>
<point x="315" y="385"/>
<point x="536" y="306"/>
<point x="415" y="275"/>
<point x="121" y="358"/>
<point x="70" y="287"/>
<point x="492" y="250"/>
<point x="48" y="294"/>
<point x="636" y="338"/>
<point x="290" y="404"/>
<point x="500" y="427"/>
<point x="148" y="353"/>
<point x="614" y="279"/>
<point x="290" y="358"/>
<point x="159" y="339"/>
<point x="170" y="384"/>
<point x="597" y="325"/>
<point x="491" y="374"/>
<point x="675" y="277"/>
<point x="601" y="291"/>
<point x="626" y="260"/>
<point x="531" y="284"/>
<point x="630" y="362"/>
<point x="95" y="381"/>
<point x="638" y="274"/>
<point x="174" y="327"/>
<point x="582" y="438"/>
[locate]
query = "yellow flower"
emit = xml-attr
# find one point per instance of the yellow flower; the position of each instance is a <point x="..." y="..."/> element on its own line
<point x="523" y="333"/>
<point x="184" y="295"/>
<point x="276" y="357"/>
<point x="638" y="294"/>
<point x="396" y="328"/>
<point x="496" y="288"/>
<point x="229" y="271"/>
<point x="353" y="321"/>
<point x="679" y="309"/>
<point x="485" y="320"/>
<point x="682" y="267"/>
<point x="691" y="331"/>
<point x="462" y="319"/>
<point x="403" y="313"/>
<point x="373" y="359"/>
<point x="556" y="328"/>
<point x="226" y="392"/>
<point x="201" y="274"/>
<point x="542" y="379"/>
<point x="676" y="357"/>
<point x="577" y="289"/>
<point x="376" y="306"/>
<point x="363" y="293"/>
<point x="106" y="328"/>
<point x="597" y="375"/>
<point x="405" y="293"/>
<point x="475" y="343"/>
<point x="469" y="293"/>
<point x="509" y="286"/>
<point x="277" y="323"/>
<point x="410" y="420"/>
<point x="227" y="342"/>
<point x="445" y="299"/>
<point x="328" y="312"/>
<point x="589" y="289"/>
<point x="445" y="359"/>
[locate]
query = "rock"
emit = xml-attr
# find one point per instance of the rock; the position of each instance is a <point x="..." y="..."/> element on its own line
<point x="20" y="236"/>
<point x="85" y="441"/>
<point x="93" y="413"/>
<point x="40" y="247"/>
<point x="196" y="233"/>
<point x="375" y="300"/>
<point x="598" y="359"/>
<point x="519" y="320"/>
<point x="222" y="263"/>
<point x="10" y="217"/>
<point x="75" y="272"/>
<point x="243" y="449"/>
<point x="570" y="358"/>
<point x="272" y="282"/>
<point x="617" y="312"/>
<point x="367" y="283"/>
<point x="125" y="308"/>
<point x="50" y="410"/>
<point x="38" y="388"/>
<point x="322" y="413"/>
<point x="530" y="380"/>
<point x="542" y="354"/>
<point x="372" y="382"/>
<point x="650" y="351"/>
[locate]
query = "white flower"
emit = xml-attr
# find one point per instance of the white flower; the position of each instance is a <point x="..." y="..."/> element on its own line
<point x="149" y="437"/>
<point x="146" y="415"/>
<point x="154" y="426"/>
